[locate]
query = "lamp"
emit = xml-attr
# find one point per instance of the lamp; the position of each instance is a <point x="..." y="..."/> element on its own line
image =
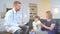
<point x="55" y="10"/>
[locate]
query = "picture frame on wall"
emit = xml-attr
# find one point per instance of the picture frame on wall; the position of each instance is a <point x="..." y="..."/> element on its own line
<point x="33" y="10"/>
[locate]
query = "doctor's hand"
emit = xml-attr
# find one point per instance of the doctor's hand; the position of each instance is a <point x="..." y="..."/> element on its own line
<point x="21" y="25"/>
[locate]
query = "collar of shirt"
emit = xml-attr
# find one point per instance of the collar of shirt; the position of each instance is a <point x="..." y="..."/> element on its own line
<point x="14" y="10"/>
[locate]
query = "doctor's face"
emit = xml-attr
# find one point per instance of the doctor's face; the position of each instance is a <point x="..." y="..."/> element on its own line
<point x="17" y="7"/>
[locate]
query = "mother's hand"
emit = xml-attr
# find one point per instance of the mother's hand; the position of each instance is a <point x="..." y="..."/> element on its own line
<point x="50" y="28"/>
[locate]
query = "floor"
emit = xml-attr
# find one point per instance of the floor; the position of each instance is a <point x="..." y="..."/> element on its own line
<point x="4" y="33"/>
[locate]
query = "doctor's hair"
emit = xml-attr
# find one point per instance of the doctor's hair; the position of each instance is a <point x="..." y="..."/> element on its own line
<point x="17" y="2"/>
<point x="37" y="17"/>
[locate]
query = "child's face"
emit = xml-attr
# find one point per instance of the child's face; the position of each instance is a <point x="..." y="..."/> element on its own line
<point x="36" y="19"/>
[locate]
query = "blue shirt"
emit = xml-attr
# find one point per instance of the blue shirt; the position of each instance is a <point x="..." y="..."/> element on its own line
<point x="49" y="24"/>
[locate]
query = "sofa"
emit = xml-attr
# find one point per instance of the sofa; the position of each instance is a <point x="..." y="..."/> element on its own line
<point x="2" y="30"/>
<point x="43" y="21"/>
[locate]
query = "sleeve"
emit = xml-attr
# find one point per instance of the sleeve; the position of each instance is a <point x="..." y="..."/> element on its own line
<point x="53" y="22"/>
<point x="34" y="25"/>
<point x="9" y="18"/>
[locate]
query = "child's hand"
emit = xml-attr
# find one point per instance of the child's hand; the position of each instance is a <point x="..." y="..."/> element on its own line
<point x="33" y="30"/>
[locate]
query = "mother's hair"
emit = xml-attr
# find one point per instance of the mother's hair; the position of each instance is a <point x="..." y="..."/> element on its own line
<point x="49" y="13"/>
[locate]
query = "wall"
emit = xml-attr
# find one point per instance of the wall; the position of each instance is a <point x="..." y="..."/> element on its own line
<point x="2" y="6"/>
<point x="55" y="4"/>
<point x="44" y="5"/>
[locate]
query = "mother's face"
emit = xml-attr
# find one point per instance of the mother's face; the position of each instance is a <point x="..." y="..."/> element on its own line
<point x="47" y="16"/>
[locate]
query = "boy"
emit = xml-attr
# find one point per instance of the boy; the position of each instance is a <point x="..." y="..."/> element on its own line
<point x="36" y="25"/>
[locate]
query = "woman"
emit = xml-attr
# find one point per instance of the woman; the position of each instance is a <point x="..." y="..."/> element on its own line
<point x="50" y="25"/>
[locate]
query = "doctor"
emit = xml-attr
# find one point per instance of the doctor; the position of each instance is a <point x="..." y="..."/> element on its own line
<point x="12" y="20"/>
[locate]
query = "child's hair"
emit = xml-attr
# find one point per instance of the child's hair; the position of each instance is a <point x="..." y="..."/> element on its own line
<point x="37" y="17"/>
